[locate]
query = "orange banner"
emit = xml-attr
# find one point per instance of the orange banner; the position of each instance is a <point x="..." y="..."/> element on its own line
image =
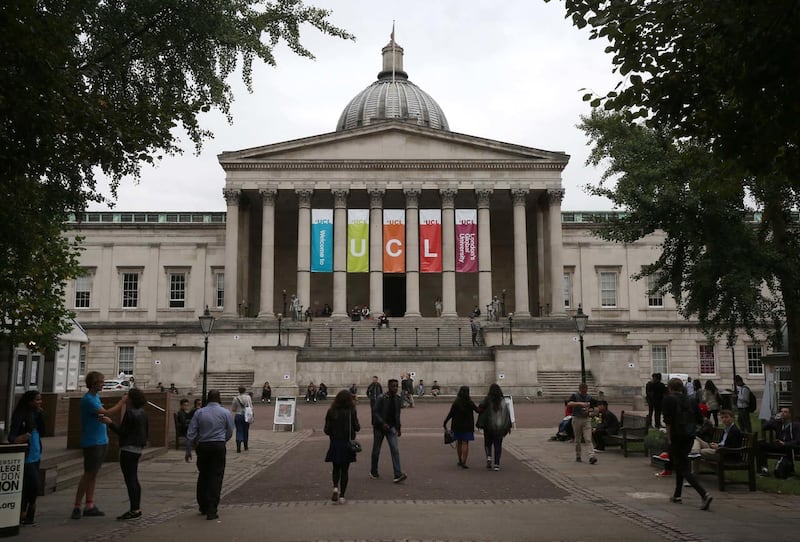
<point x="394" y="241"/>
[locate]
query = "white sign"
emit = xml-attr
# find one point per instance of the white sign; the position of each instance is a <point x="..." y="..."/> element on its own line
<point x="284" y="411"/>
<point x="12" y="465"/>
<point x="510" y="405"/>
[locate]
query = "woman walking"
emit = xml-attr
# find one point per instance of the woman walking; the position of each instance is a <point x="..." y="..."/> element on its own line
<point x="341" y="426"/>
<point x="495" y="420"/>
<point x="463" y="424"/>
<point x="711" y="399"/>
<point x="132" y="439"/>
<point x="240" y="403"/>
<point x="27" y="427"/>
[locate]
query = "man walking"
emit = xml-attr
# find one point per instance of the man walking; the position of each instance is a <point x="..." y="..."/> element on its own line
<point x="386" y="424"/>
<point x="94" y="441"/>
<point x="580" y="403"/>
<point x="475" y="328"/>
<point x="210" y="428"/>
<point x="374" y="390"/>
<point x="743" y="404"/>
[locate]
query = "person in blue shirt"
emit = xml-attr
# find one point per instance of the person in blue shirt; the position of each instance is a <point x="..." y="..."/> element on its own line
<point x="210" y="428"/>
<point x="27" y="427"/>
<point x="94" y="441"/>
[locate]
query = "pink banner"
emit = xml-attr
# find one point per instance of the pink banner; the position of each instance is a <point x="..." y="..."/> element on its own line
<point x="466" y="241"/>
<point x="430" y="241"/>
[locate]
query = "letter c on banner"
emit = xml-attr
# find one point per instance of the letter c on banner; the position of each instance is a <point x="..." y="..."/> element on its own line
<point x="394" y="253"/>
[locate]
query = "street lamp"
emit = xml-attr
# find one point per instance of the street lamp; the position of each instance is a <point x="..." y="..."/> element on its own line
<point x="284" y="302"/>
<point x="206" y="325"/>
<point x="580" y="324"/>
<point x="504" y="301"/>
<point x="511" y="329"/>
<point x="280" y="318"/>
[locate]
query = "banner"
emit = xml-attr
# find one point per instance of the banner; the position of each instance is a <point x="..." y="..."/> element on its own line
<point x="394" y="241"/>
<point x="430" y="240"/>
<point x="321" y="240"/>
<point x="466" y="240"/>
<point x="358" y="240"/>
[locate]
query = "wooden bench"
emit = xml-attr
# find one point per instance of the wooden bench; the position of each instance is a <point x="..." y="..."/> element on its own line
<point x="632" y="428"/>
<point x="732" y="459"/>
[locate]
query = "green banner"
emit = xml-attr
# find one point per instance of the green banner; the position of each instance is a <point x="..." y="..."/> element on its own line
<point x="358" y="241"/>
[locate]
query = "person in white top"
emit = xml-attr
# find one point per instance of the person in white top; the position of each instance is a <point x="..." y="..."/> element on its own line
<point x="240" y="404"/>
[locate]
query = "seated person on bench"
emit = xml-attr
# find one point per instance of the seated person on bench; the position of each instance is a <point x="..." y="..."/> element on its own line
<point x="184" y="416"/>
<point x="383" y="320"/>
<point x="731" y="438"/>
<point x="608" y="425"/>
<point x="787" y="439"/>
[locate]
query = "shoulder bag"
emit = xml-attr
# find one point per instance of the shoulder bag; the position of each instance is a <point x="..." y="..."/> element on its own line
<point x="355" y="446"/>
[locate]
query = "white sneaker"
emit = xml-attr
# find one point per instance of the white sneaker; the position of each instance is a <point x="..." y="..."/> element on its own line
<point x="342" y="500"/>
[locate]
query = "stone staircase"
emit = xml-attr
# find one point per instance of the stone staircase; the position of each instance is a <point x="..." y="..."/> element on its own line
<point x="559" y="385"/>
<point x="402" y="332"/>
<point x="227" y="383"/>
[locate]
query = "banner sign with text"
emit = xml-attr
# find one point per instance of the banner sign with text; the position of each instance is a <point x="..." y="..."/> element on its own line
<point x="394" y="241"/>
<point x="321" y="240"/>
<point x="430" y="240"/>
<point x="466" y="240"/>
<point x="358" y="240"/>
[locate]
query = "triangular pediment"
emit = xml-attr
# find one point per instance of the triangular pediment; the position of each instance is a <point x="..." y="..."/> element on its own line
<point x="392" y="141"/>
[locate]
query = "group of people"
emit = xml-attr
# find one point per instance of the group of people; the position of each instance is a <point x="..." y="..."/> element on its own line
<point x="314" y="392"/>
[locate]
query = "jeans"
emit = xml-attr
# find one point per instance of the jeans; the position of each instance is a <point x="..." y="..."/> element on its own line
<point x="129" y="465"/>
<point x="377" y="440"/>
<point x="242" y="429"/>
<point x="495" y="442"/>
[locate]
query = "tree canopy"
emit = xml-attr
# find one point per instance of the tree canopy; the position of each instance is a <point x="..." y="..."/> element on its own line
<point x="101" y="87"/>
<point x="716" y="83"/>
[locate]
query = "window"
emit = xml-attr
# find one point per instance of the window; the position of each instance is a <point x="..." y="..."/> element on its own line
<point x="754" y="366"/>
<point x="219" y="289"/>
<point x="708" y="365"/>
<point x="608" y="289"/>
<point x="130" y="290"/>
<point x="125" y="359"/>
<point x="658" y="353"/>
<point x="567" y="290"/>
<point x="33" y="378"/>
<point x="82" y="360"/>
<point x="177" y="290"/>
<point x="83" y="292"/>
<point x="654" y="299"/>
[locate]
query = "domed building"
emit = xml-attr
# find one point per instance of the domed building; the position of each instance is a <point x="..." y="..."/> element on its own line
<point x="391" y="214"/>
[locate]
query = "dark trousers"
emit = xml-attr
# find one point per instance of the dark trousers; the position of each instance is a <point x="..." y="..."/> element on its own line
<point x="31" y="481"/>
<point x="129" y="465"/>
<point x="599" y="436"/>
<point x="681" y="466"/>
<point x="491" y="441"/>
<point x="743" y="420"/>
<point x="654" y="410"/>
<point x="341" y="475"/>
<point x="211" y="471"/>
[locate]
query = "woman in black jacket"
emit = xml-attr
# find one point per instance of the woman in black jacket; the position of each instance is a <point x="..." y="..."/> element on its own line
<point x="341" y="425"/>
<point x="132" y="440"/>
<point x="27" y="427"/>
<point x="463" y="425"/>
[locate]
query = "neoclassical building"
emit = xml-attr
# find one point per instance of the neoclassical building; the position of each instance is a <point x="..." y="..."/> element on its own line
<point x="395" y="212"/>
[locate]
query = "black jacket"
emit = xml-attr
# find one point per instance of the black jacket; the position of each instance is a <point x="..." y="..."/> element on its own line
<point x="461" y="412"/>
<point x="381" y="410"/>
<point x="133" y="430"/>
<point x="609" y="422"/>
<point x="21" y="423"/>
<point x="337" y="424"/>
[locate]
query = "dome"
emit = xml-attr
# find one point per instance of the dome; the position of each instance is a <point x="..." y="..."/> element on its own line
<point x="392" y="96"/>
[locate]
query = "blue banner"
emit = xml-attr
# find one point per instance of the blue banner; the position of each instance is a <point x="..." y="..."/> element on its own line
<point x="322" y="240"/>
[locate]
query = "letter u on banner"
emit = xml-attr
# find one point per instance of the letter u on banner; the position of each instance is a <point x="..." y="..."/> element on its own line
<point x="321" y="240"/>
<point x="358" y="240"/>
<point x="466" y="240"/>
<point x="394" y="241"/>
<point x="430" y="240"/>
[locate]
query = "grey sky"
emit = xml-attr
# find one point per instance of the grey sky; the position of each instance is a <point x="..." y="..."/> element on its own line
<point x="511" y="71"/>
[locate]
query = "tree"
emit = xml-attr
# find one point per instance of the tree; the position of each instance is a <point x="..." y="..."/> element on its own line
<point x="90" y="87"/>
<point x="717" y="81"/>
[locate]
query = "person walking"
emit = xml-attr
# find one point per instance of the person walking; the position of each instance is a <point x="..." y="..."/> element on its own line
<point x="239" y="408"/>
<point x="495" y="420"/>
<point x="374" y="390"/>
<point x="94" y="442"/>
<point x="132" y="439"/>
<point x="463" y="423"/>
<point x="341" y="426"/>
<point x="27" y="427"/>
<point x="580" y="403"/>
<point x="211" y="427"/>
<point x="475" y="329"/>
<point x="386" y="424"/>
<point x="682" y="418"/>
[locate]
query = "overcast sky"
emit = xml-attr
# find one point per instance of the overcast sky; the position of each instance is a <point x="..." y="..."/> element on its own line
<point x="512" y="71"/>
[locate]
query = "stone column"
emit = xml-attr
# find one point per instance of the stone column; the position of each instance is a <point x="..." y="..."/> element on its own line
<point x="521" y="307"/>
<point x="448" y="196"/>
<point x="484" y="247"/>
<point x="267" y="300"/>
<point x="412" y="251"/>
<point x="231" y="196"/>
<point x="340" y="253"/>
<point x="304" y="246"/>
<point x="542" y="272"/>
<point x="376" y="249"/>
<point x="554" y="198"/>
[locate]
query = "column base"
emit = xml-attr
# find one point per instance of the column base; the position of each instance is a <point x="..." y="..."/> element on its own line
<point x="268" y="315"/>
<point x="450" y="315"/>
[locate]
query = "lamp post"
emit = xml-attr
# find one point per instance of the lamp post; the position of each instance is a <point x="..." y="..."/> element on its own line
<point x="580" y="324"/>
<point x="206" y="325"/>
<point x="504" y="301"/>
<point x="284" y="302"/>
<point x="280" y="319"/>
<point x="511" y="329"/>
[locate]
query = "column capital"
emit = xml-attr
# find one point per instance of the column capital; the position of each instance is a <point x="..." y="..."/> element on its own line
<point x="518" y="195"/>
<point x="376" y="196"/>
<point x="340" y="197"/>
<point x="483" y="194"/>
<point x="268" y="195"/>
<point x="304" y="196"/>
<point x="232" y="196"/>
<point x="412" y="194"/>
<point x="555" y="196"/>
<point x="448" y="196"/>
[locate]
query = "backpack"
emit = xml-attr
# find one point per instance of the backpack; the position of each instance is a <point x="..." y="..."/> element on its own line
<point x="751" y="402"/>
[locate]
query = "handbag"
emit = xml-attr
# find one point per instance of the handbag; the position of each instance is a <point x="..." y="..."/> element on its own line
<point x="449" y="436"/>
<point x="249" y="417"/>
<point x="355" y="446"/>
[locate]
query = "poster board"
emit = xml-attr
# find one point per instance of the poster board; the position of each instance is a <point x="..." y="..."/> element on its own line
<point x="285" y="410"/>
<point x="510" y="404"/>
